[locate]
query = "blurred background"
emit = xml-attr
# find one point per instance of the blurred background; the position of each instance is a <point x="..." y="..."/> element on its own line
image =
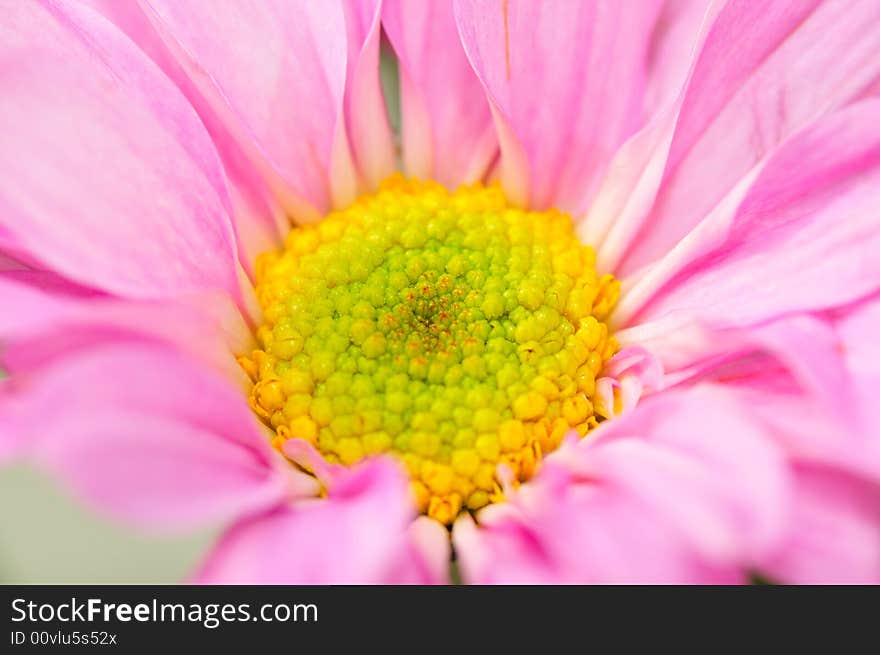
<point x="48" y="538"/>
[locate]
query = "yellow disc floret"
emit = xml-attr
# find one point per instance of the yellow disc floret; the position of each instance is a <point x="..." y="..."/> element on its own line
<point x="449" y="329"/>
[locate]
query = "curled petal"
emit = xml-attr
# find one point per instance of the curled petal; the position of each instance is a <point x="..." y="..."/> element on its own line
<point x="362" y="533"/>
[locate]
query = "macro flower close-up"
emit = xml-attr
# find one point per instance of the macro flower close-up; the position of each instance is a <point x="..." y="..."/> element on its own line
<point x="450" y="291"/>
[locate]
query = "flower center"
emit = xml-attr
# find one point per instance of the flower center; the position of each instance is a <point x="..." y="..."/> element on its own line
<point x="449" y="329"/>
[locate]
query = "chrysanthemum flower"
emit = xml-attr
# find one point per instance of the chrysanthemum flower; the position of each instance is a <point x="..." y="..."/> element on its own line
<point x="606" y="312"/>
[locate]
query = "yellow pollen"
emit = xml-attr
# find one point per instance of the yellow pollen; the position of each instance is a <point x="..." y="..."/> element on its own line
<point x="451" y="330"/>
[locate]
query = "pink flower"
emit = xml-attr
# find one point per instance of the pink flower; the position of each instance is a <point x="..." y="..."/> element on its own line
<point x="722" y="158"/>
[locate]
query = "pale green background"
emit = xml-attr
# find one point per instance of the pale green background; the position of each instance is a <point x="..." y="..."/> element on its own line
<point x="48" y="538"/>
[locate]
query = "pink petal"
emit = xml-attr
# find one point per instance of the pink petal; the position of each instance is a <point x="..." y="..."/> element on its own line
<point x="447" y="127"/>
<point x="47" y="281"/>
<point x="39" y="298"/>
<point x="835" y="535"/>
<point x="263" y="202"/>
<point x="683" y="489"/>
<point x="143" y="434"/>
<point x="806" y="347"/>
<point x="780" y="245"/>
<point x="429" y="544"/>
<point x="282" y="104"/>
<point x="810" y="380"/>
<point x="698" y="439"/>
<point x="578" y="536"/>
<point x="813" y="387"/>
<point x="259" y="222"/>
<point x="676" y="35"/>
<point x="566" y="82"/>
<point x="821" y="406"/>
<point x="808" y="431"/>
<point x="858" y="330"/>
<point x="108" y="176"/>
<point x="12" y="254"/>
<point x="810" y="350"/>
<point x="685" y="349"/>
<point x="304" y="454"/>
<point x="762" y="72"/>
<point x="631" y="373"/>
<point x="54" y="319"/>
<point x="366" y="118"/>
<point x="361" y="534"/>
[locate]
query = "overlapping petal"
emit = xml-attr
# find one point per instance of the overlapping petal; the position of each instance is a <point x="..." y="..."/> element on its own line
<point x="810" y="382"/>
<point x="797" y="235"/>
<point x="762" y="72"/>
<point x="447" y="127"/>
<point x="283" y="104"/>
<point x="834" y="535"/>
<point x="676" y="35"/>
<point x="145" y="435"/>
<point x="366" y="118"/>
<point x="566" y="83"/>
<point x="683" y="489"/>
<point x="54" y="317"/>
<point x="818" y="396"/>
<point x="108" y="175"/>
<point x="362" y="533"/>
<point x="860" y="348"/>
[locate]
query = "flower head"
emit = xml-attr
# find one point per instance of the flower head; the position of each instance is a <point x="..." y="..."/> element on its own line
<point x="611" y="320"/>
